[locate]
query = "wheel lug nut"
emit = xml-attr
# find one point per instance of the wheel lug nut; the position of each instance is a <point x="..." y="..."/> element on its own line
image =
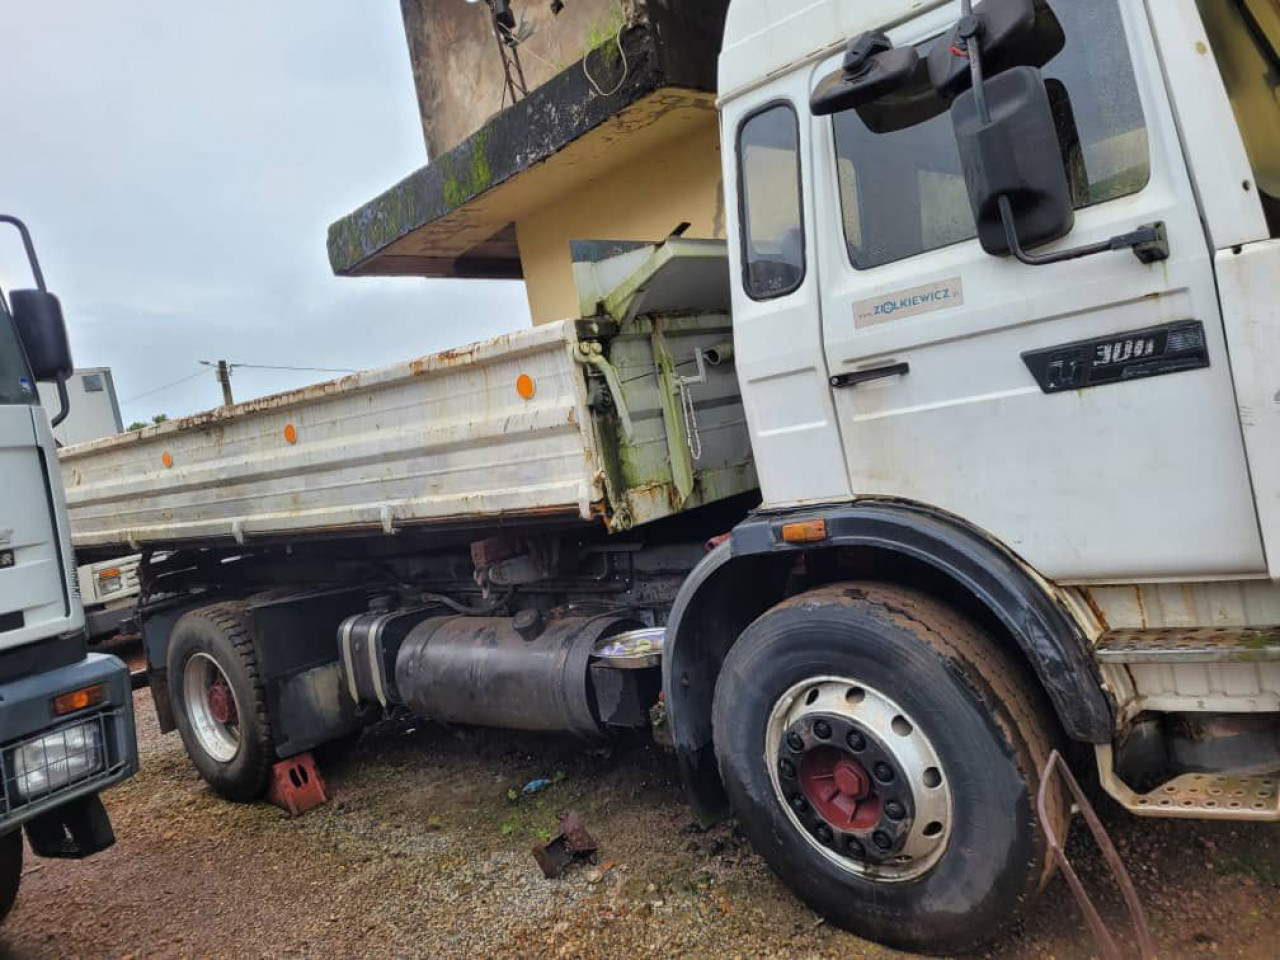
<point x="822" y="730"/>
<point x="795" y="742"/>
<point x="856" y="741"/>
<point x="882" y="840"/>
<point x="798" y="804"/>
<point x="855" y="849"/>
<point x="823" y="833"/>
<point x="787" y="768"/>
<point x="894" y="810"/>
<point x="884" y="772"/>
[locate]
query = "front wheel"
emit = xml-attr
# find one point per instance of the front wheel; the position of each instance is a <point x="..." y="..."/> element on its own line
<point x="882" y="754"/>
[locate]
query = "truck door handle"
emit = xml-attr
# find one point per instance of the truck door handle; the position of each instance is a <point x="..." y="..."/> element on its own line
<point x="874" y="373"/>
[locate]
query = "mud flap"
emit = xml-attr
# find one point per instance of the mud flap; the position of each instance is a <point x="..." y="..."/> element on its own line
<point x="72" y="831"/>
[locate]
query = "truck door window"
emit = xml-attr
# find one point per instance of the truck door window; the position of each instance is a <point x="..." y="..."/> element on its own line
<point x="1245" y="35"/>
<point x="16" y="385"/>
<point x="772" y="216"/>
<point x="910" y="194"/>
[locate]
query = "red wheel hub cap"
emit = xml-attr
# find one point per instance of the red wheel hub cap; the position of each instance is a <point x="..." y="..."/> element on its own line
<point x="222" y="705"/>
<point x="839" y="789"/>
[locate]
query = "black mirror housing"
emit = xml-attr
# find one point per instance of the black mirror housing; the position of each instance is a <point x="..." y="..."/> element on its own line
<point x="1013" y="33"/>
<point x="872" y="69"/>
<point x="1017" y="156"/>
<point x="37" y="315"/>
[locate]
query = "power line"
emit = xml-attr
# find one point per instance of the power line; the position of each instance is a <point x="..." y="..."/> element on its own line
<point x="167" y="386"/>
<point x="234" y="366"/>
<point x="260" y="366"/>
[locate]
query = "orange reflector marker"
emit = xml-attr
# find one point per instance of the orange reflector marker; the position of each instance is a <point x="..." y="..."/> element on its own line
<point x="807" y="531"/>
<point x="290" y="433"/>
<point x="81" y="699"/>
<point x="526" y="387"/>
<point x="167" y="460"/>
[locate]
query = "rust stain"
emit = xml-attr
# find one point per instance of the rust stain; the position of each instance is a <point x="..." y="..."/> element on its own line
<point x="1097" y="610"/>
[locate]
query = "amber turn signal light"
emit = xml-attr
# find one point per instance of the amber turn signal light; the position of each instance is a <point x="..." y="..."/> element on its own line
<point x="81" y="699"/>
<point x="807" y="531"/>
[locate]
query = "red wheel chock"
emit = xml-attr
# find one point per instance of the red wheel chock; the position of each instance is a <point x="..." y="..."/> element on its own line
<point x="296" y="785"/>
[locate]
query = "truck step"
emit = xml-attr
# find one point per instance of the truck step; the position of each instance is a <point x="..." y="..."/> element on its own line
<point x="1198" y="796"/>
<point x="1190" y="645"/>
<point x="1206" y="796"/>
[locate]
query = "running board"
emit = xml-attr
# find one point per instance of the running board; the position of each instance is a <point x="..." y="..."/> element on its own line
<point x="1189" y="645"/>
<point x="1196" y="796"/>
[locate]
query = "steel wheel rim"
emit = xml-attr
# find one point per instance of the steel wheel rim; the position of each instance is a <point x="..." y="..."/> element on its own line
<point x="219" y="738"/>
<point x="919" y="783"/>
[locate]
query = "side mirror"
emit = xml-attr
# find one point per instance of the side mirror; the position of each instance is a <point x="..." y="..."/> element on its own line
<point x="872" y="68"/>
<point x="38" y="317"/>
<point x="1015" y="156"/>
<point x="1014" y="33"/>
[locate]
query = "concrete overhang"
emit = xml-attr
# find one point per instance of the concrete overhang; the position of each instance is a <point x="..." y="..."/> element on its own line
<point x="456" y="217"/>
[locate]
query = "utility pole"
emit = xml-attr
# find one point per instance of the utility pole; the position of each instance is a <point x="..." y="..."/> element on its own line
<point x="224" y="379"/>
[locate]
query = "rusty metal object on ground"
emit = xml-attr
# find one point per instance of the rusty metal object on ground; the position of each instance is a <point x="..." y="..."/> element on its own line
<point x="1106" y="942"/>
<point x="572" y="843"/>
<point x="296" y="785"/>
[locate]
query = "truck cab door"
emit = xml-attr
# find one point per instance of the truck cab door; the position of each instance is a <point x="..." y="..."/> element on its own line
<point x="36" y="599"/>
<point x="1026" y="399"/>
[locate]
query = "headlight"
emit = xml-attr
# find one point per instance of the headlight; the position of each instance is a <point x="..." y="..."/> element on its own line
<point x="109" y="581"/>
<point x="55" y="760"/>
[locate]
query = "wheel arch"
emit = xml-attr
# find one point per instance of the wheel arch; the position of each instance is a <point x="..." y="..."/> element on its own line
<point x="904" y="543"/>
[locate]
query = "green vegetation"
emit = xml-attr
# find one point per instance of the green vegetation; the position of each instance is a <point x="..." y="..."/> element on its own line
<point x="603" y="33"/>
<point x="462" y="181"/>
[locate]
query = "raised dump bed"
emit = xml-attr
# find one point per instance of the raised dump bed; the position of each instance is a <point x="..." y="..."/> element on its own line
<point x="624" y="418"/>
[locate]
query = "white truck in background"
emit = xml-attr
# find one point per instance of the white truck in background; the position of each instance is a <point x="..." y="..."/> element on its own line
<point x="109" y="588"/>
<point x="66" y="715"/>
<point x="995" y="336"/>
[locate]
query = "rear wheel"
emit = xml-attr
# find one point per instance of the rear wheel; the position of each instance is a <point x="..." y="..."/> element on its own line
<point x="883" y="756"/>
<point x="10" y="870"/>
<point x="218" y="700"/>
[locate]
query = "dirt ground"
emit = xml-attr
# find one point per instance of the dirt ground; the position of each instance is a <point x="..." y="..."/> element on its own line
<point x="421" y="851"/>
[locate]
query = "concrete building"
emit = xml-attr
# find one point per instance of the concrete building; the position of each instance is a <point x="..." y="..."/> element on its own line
<point x="615" y="140"/>
<point x="95" y="412"/>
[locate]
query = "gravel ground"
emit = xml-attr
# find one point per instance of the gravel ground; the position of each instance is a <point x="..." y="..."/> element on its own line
<point x="421" y="851"/>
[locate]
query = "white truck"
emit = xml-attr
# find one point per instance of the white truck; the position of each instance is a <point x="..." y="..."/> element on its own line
<point x="108" y="588"/>
<point x="994" y="336"/>
<point x="66" y="715"/>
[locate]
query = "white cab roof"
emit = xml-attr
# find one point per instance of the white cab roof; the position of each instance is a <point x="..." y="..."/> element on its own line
<point x="766" y="37"/>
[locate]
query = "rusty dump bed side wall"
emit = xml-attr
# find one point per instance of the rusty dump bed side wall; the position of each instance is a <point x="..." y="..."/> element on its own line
<point x="534" y="426"/>
<point x="442" y="438"/>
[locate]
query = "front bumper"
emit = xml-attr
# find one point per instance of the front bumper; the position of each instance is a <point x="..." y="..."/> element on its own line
<point x="26" y="717"/>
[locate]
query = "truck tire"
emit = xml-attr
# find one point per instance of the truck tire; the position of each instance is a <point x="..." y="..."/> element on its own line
<point x="883" y="755"/>
<point x="10" y="870"/>
<point x="218" y="700"/>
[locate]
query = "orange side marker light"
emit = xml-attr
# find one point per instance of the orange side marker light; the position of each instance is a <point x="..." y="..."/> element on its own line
<point x="807" y="531"/>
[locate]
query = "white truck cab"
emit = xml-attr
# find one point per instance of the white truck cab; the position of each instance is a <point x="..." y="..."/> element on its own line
<point x="66" y="716"/>
<point x="1007" y="349"/>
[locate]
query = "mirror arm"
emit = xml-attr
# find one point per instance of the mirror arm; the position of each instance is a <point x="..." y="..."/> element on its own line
<point x="30" y="247"/>
<point x="1149" y="243"/>
<point x="64" y="402"/>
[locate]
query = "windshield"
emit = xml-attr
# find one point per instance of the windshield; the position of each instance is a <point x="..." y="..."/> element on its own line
<point x="16" y="385"/>
<point x="903" y="192"/>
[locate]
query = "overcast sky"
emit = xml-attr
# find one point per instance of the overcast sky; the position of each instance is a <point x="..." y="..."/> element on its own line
<point x="179" y="165"/>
